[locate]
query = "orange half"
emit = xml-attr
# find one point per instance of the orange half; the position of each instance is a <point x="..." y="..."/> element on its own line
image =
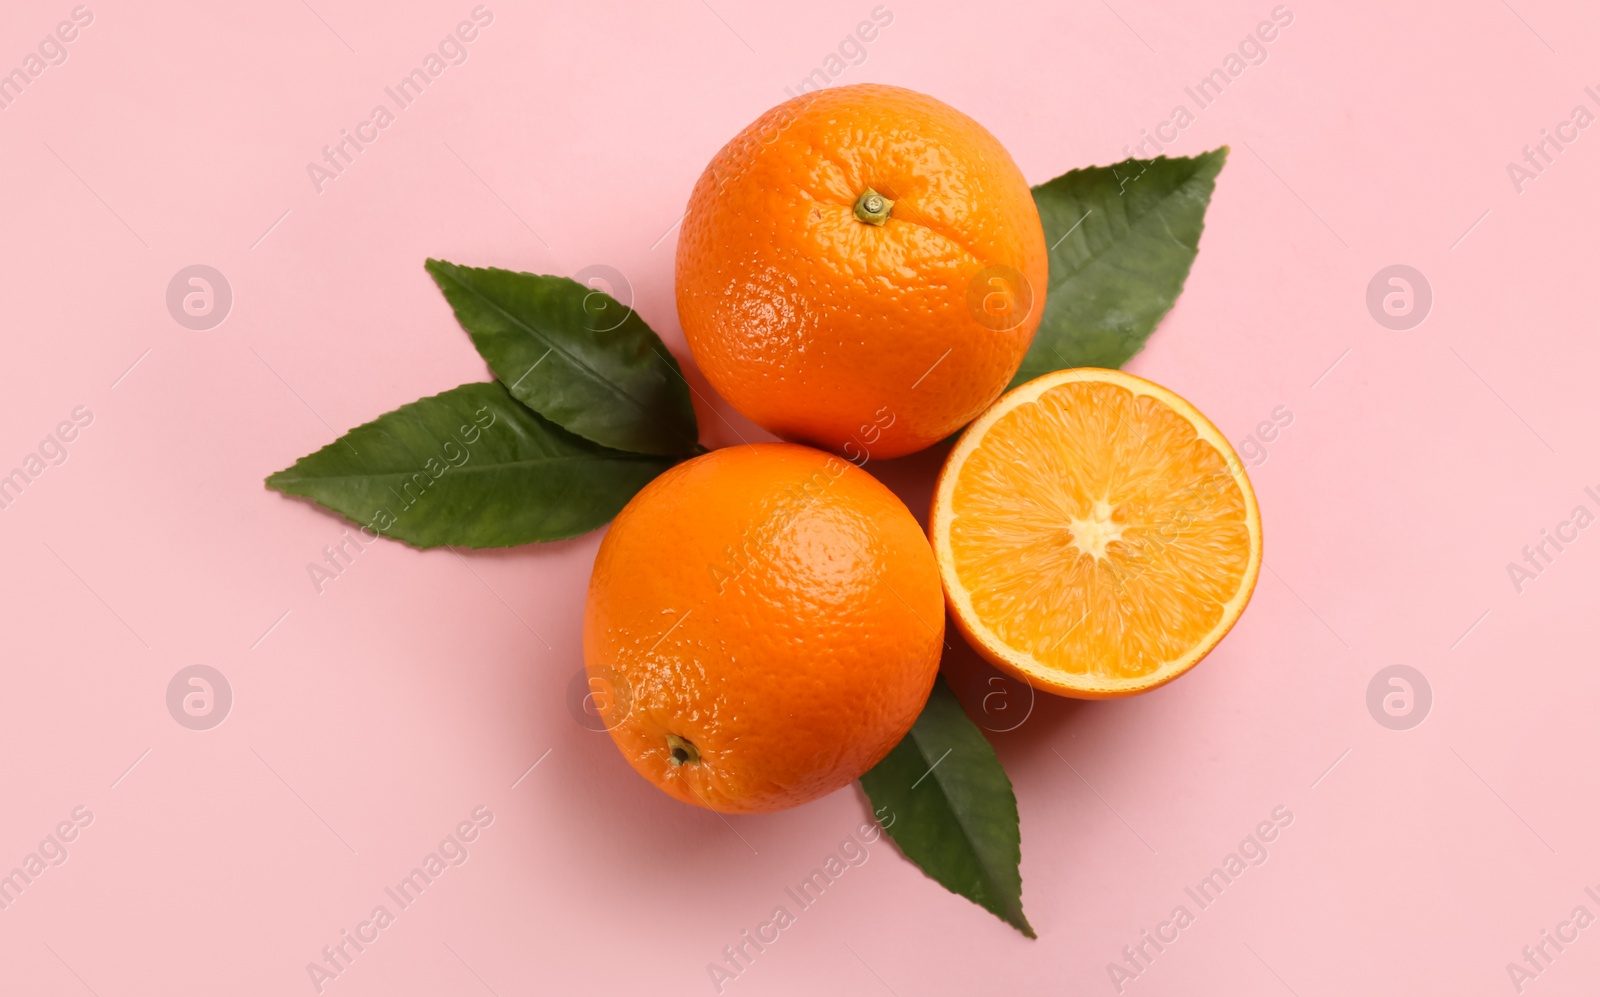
<point x="1096" y="535"/>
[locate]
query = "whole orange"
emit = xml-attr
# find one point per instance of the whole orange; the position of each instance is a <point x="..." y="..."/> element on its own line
<point x="763" y="625"/>
<point x="862" y="268"/>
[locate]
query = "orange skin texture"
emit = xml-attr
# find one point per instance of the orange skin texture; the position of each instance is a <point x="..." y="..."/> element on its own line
<point x="774" y="606"/>
<point x="855" y="337"/>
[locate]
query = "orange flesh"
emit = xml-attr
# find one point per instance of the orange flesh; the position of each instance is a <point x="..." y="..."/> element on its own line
<point x="1101" y="538"/>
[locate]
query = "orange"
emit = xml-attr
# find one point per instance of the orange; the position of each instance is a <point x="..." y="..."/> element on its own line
<point x="862" y="268"/>
<point x="764" y="623"/>
<point x="1096" y="535"/>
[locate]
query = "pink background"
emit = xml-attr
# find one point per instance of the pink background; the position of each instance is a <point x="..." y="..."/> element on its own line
<point x="375" y="716"/>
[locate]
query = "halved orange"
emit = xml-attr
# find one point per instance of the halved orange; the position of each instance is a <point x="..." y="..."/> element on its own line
<point x="1096" y="535"/>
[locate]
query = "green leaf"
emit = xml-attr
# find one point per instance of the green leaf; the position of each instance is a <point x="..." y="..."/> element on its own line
<point x="471" y="467"/>
<point x="953" y="810"/>
<point x="1134" y="231"/>
<point x="575" y="355"/>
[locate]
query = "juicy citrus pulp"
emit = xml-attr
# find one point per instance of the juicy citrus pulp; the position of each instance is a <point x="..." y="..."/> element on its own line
<point x="1096" y="535"/>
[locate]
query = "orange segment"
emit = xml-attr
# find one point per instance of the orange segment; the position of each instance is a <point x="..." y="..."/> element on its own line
<point x="1096" y="535"/>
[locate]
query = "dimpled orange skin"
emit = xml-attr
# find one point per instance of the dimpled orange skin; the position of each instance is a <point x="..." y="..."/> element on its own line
<point x="775" y="607"/>
<point x="855" y="337"/>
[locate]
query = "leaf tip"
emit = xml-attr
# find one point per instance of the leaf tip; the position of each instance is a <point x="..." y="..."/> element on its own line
<point x="1215" y="160"/>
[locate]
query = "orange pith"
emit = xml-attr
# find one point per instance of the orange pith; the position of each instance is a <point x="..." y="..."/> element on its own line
<point x="1096" y="534"/>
